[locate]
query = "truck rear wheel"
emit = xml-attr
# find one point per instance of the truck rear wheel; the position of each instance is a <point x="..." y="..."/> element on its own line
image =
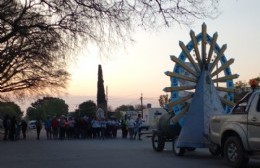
<point x="177" y="151"/>
<point x="158" y="141"/>
<point x="234" y="153"/>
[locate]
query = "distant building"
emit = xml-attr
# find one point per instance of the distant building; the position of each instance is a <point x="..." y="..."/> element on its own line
<point x="152" y="115"/>
<point x="132" y="114"/>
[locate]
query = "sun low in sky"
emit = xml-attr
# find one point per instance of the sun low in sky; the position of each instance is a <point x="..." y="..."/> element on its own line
<point x="139" y="69"/>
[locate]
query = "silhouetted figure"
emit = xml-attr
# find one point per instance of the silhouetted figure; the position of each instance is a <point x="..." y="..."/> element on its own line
<point x="38" y="128"/>
<point x="130" y="125"/>
<point x="17" y="131"/>
<point x="55" y="128"/>
<point x="47" y="126"/>
<point x="12" y="128"/>
<point x="138" y="124"/>
<point x="114" y="126"/>
<point x="124" y="127"/>
<point x="24" y="128"/>
<point x="62" y="125"/>
<point x="6" y="124"/>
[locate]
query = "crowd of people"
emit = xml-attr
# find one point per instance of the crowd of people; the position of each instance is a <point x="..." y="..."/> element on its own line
<point x="12" y="128"/>
<point x="132" y="127"/>
<point x="80" y="128"/>
<point x="75" y="128"/>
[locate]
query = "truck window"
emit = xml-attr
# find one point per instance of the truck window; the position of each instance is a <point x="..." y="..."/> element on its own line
<point x="258" y="104"/>
<point x="241" y="106"/>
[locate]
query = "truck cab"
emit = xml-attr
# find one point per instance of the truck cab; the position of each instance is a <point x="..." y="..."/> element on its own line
<point x="237" y="135"/>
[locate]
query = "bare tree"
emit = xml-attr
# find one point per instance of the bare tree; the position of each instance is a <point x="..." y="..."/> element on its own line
<point x="36" y="36"/>
<point x="163" y="99"/>
<point x="31" y="52"/>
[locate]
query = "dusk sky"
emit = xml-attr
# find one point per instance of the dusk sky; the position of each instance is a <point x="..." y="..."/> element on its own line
<point x="140" y="67"/>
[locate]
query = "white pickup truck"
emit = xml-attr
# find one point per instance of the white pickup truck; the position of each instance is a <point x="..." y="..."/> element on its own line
<point x="237" y="135"/>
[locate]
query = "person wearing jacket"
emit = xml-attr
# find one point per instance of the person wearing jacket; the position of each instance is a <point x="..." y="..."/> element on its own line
<point x="130" y="122"/>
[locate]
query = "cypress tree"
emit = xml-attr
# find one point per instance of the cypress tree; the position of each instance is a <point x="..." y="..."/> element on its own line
<point x="101" y="98"/>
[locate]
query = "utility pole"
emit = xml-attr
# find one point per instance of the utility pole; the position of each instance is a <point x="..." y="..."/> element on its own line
<point x="141" y="98"/>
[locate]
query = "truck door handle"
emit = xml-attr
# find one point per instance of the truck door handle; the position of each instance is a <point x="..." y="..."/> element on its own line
<point x="254" y="119"/>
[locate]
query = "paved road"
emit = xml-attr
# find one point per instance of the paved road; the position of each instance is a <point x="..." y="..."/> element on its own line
<point x="109" y="153"/>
